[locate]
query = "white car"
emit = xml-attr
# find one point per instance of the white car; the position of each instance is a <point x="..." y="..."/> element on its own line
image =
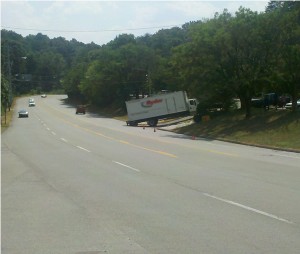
<point x="23" y="113"/>
<point x="289" y="105"/>
<point x="43" y="95"/>
<point x="31" y="104"/>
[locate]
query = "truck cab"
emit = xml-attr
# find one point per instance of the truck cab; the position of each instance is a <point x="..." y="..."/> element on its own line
<point x="193" y="105"/>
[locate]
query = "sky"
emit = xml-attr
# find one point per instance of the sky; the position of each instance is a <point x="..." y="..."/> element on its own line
<point x="102" y="21"/>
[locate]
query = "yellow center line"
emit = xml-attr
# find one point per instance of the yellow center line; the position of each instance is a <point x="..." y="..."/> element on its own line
<point x="154" y="151"/>
<point x="121" y="141"/>
<point x="141" y="147"/>
<point x="124" y="142"/>
<point x="222" y="153"/>
<point x="148" y="149"/>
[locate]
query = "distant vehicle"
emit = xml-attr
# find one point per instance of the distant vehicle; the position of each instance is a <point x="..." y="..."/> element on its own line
<point x="290" y="105"/>
<point x="283" y="100"/>
<point x="160" y="106"/>
<point x="80" y="109"/>
<point x="31" y="104"/>
<point x="23" y="113"/>
<point x="269" y="99"/>
<point x="257" y="102"/>
<point x="43" y="95"/>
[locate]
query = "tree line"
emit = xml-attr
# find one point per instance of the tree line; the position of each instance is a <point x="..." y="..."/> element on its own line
<point x="240" y="55"/>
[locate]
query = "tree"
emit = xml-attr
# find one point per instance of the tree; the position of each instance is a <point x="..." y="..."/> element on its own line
<point x="164" y="40"/>
<point x="38" y="42"/>
<point x="244" y="59"/>
<point x="274" y="5"/>
<point x="287" y="63"/>
<point x="4" y="95"/>
<point x="198" y="62"/>
<point x="72" y="80"/>
<point x="121" y="40"/>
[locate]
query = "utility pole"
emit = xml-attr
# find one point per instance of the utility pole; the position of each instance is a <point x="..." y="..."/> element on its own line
<point x="9" y="80"/>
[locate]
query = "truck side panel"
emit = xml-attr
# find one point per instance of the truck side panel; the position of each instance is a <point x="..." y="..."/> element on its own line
<point x="157" y="106"/>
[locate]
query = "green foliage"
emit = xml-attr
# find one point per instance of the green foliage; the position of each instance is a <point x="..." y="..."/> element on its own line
<point x="4" y="92"/>
<point x="215" y="60"/>
<point x="72" y="79"/>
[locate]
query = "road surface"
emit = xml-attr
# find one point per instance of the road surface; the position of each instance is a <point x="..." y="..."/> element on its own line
<point x="85" y="184"/>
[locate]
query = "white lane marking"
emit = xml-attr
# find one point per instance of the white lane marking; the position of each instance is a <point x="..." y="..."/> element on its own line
<point x="54" y="134"/>
<point x="288" y="156"/>
<point x="83" y="149"/>
<point x="64" y="140"/>
<point x="48" y="129"/>
<point x="248" y="208"/>
<point x="127" y="166"/>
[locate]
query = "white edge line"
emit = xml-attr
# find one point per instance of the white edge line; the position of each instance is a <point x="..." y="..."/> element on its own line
<point x="127" y="166"/>
<point x="249" y="208"/>
<point x="64" y="140"/>
<point x="288" y="156"/>
<point x="83" y="149"/>
<point x="53" y="133"/>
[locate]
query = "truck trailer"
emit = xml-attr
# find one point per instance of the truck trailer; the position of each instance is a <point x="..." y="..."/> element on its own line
<point x="160" y="106"/>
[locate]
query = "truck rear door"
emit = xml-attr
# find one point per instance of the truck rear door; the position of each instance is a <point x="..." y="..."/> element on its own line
<point x="171" y="105"/>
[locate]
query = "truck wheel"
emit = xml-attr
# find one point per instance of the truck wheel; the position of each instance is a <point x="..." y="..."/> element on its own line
<point x="197" y="118"/>
<point x="152" y="122"/>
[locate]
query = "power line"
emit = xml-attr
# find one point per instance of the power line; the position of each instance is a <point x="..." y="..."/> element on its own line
<point x="89" y="31"/>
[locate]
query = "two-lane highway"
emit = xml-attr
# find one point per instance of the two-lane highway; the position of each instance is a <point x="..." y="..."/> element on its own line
<point x="87" y="184"/>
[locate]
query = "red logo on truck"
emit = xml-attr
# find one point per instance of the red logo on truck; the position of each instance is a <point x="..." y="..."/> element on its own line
<point x="150" y="103"/>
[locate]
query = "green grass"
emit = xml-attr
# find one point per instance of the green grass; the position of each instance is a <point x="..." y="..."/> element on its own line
<point x="275" y="129"/>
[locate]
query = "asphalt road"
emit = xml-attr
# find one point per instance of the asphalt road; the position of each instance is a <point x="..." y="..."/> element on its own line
<point x="85" y="184"/>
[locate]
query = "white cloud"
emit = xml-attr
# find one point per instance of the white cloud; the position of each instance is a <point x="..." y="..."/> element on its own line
<point x="76" y="7"/>
<point x="193" y="10"/>
<point x="101" y="16"/>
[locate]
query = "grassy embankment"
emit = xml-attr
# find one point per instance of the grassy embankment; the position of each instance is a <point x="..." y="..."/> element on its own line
<point x="274" y="129"/>
<point x="6" y="122"/>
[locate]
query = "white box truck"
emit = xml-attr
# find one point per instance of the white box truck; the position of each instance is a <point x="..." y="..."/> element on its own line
<point x="160" y="106"/>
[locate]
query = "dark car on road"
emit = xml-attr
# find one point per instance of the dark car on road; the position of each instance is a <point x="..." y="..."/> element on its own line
<point x="80" y="109"/>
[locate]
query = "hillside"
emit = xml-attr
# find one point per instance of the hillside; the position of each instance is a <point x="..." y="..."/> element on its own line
<point x="274" y="129"/>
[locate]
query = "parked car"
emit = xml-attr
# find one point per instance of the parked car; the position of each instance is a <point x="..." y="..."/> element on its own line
<point x="80" y="109"/>
<point x="270" y="99"/>
<point x="43" y="95"/>
<point x="23" y="113"/>
<point x="283" y="100"/>
<point x="257" y="102"/>
<point x="290" y="105"/>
